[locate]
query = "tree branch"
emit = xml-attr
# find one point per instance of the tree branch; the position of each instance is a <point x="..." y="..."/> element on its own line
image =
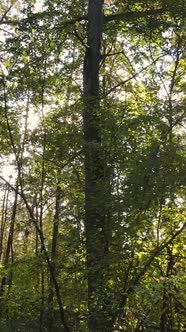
<point x="4" y="15"/>
<point x="156" y="252"/>
<point x="128" y="16"/>
<point x="133" y="76"/>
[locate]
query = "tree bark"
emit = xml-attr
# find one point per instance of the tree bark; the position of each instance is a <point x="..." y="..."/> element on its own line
<point x="95" y="182"/>
<point x="3" y="218"/>
<point x="9" y="247"/>
<point x="53" y="257"/>
<point x="167" y="317"/>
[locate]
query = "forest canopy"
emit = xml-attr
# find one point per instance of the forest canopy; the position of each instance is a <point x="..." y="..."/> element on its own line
<point x="93" y="166"/>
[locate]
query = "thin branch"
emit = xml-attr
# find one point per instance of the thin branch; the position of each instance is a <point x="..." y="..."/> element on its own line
<point x="133" y="76"/>
<point x="128" y="16"/>
<point x="156" y="252"/>
<point x="9" y="22"/>
<point x="5" y="14"/>
<point x="62" y="165"/>
<point x="173" y="79"/>
<point x="76" y="34"/>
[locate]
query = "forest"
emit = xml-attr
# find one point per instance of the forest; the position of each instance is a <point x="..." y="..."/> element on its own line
<point x="92" y="166"/>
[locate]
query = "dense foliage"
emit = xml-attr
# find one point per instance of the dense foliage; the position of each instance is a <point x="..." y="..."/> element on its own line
<point x="93" y="184"/>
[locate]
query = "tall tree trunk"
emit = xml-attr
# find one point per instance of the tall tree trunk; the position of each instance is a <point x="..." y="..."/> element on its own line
<point x="53" y="257"/>
<point x="95" y="182"/>
<point x="9" y="247"/>
<point x="3" y="218"/>
<point x="167" y="316"/>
